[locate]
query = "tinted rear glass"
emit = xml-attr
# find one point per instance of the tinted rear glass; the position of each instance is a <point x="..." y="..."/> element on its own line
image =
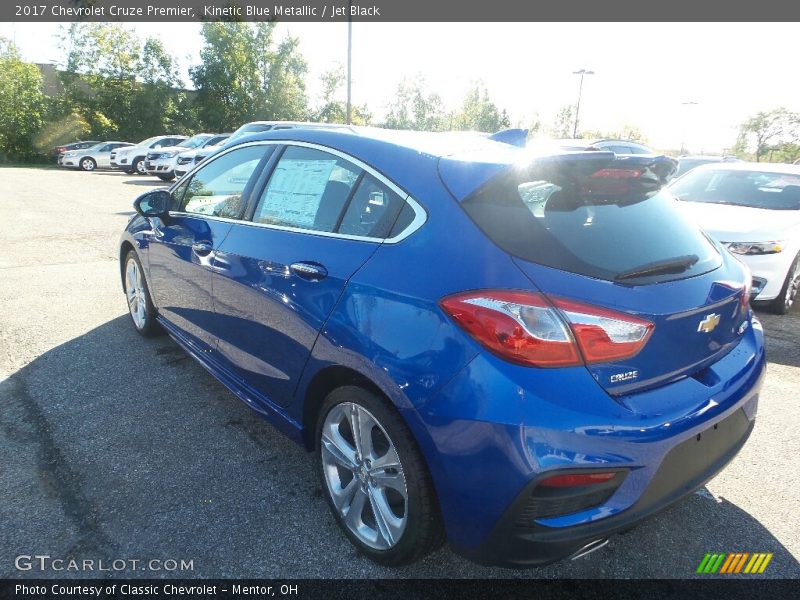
<point x="756" y="189"/>
<point x="605" y="228"/>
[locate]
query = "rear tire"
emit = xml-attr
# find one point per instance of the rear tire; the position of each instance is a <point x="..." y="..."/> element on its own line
<point x="379" y="489"/>
<point x="789" y="292"/>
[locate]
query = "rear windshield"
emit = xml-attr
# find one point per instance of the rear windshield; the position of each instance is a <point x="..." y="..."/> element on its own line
<point x="607" y="228"/>
<point x="756" y="189"/>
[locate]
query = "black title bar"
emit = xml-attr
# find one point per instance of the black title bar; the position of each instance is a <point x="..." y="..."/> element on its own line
<point x="398" y="10"/>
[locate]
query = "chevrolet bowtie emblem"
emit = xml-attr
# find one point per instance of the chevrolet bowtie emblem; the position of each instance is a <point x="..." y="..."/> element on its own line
<point x="708" y="324"/>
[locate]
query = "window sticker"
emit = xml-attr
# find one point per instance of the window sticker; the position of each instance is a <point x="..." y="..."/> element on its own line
<point x="295" y="191"/>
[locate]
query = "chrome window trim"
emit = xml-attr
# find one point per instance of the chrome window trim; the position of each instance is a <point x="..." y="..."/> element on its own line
<point x="420" y="215"/>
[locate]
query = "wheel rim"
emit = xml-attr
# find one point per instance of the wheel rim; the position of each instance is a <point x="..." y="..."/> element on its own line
<point x="134" y="289"/>
<point x="88" y="165"/>
<point x="140" y="168"/>
<point x="364" y="476"/>
<point x="793" y="287"/>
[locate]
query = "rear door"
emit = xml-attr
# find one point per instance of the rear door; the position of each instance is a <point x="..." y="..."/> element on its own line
<point x="278" y="275"/>
<point x="181" y="248"/>
<point x="596" y="231"/>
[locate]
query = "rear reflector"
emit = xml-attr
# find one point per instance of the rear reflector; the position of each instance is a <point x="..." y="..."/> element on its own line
<point x="577" y="480"/>
<point x="527" y="328"/>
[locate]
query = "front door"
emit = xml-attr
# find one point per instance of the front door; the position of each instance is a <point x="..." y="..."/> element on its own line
<point x="182" y="247"/>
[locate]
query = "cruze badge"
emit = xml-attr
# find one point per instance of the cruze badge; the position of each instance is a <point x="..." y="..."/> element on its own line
<point x="624" y="376"/>
<point x="708" y="324"/>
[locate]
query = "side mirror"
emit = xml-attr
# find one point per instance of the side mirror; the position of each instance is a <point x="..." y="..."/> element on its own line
<point x="153" y="204"/>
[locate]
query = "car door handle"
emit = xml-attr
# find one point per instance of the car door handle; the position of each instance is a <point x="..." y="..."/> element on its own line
<point x="202" y="248"/>
<point x="309" y="270"/>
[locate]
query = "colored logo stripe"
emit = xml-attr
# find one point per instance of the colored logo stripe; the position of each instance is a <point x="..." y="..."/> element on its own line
<point x="734" y="562"/>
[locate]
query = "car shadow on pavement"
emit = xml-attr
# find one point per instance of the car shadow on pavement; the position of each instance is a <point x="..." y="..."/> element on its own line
<point x="120" y="447"/>
<point x="782" y="334"/>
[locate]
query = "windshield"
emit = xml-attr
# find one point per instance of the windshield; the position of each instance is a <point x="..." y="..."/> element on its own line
<point x="596" y="224"/>
<point x="148" y="141"/>
<point x="755" y="189"/>
<point x="216" y="141"/>
<point x="195" y="141"/>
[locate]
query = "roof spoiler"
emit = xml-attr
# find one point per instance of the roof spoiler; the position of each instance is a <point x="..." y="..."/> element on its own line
<point x="513" y="137"/>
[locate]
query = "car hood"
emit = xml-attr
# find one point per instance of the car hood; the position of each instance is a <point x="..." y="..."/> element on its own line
<point x="728" y="223"/>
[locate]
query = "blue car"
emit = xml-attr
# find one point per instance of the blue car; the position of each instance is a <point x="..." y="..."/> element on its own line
<point x="519" y="352"/>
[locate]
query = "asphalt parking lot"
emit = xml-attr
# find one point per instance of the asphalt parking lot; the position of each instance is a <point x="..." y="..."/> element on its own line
<point x="116" y="447"/>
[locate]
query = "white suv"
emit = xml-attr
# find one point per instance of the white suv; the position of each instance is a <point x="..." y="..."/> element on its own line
<point x="161" y="161"/>
<point x="131" y="159"/>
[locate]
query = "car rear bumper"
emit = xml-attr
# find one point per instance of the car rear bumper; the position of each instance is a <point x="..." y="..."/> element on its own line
<point x="518" y="542"/>
<point x="487" y="457"/>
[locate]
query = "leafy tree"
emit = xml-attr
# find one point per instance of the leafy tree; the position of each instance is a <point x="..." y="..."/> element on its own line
<point x="564" y="122"/>
<point x="121" y="85"/>
<point x="768" y="132"/>
<point x="414" y="108"/>
<point x="23" y="106"/>
<point x="245" y="76"/>
<point x="333" y="109"/>
<point x="479" y="113"/>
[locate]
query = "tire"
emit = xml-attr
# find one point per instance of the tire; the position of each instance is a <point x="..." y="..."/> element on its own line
<point x="87" y="164"/>
<point x="137" y="167"/>
<point x="169" y="177"/>
<point x="790" y="290"/>
<point x="410" y="526"/>
<point x="140" y="304"/>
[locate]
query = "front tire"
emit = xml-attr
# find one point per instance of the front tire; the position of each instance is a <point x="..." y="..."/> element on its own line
<point x="169" y="177"/>
<point x="789" y="292"/>
<point x="138" y="167"/>
<point x="88" y="164"/>
<point x="375" y="479"/>
<point x="137" y="294"/>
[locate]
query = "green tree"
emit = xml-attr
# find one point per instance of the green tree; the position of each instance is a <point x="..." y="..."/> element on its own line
<point x="23" y="106"/>
<point x="244" y="76"/>
<point x="479" y="113"/>
<point x="333" y="109"/>
<point x="768" y="133"/>
<point x="121" y="85"/>
<point x="564" y="122"/>
<point x="414" y="108"/>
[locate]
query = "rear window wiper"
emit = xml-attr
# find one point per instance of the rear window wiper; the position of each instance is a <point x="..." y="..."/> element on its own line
<point x="677" y="264"/>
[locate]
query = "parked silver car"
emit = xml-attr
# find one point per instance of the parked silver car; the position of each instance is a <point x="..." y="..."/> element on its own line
<point x="89" y="159"/>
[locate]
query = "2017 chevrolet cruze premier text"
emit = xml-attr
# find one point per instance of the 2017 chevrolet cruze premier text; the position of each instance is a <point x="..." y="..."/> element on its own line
<point x="519" y="353"/>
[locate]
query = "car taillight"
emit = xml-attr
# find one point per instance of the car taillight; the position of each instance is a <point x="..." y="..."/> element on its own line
<point x="529" y="329"/>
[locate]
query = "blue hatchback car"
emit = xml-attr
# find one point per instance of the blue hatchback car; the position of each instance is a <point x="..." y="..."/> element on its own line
<point x="521" y="353"/>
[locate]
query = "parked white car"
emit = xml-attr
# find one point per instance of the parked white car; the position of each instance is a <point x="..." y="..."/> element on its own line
<point x="131" y="159"/>
<point x="161" y="162"/>
<point x="94" y="157"/>
<point x="185" y="160"/>
<point x="754" y="210"/>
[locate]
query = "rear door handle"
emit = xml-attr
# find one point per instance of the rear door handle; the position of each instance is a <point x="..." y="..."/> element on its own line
<point x="202" y="248"/>
<point x="309" y="270"/>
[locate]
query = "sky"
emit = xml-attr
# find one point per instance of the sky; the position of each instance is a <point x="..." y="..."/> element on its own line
<point x="646" y="74"/>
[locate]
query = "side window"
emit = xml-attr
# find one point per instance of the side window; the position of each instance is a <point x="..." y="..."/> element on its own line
<point x="216" y="189"/>
<point x="308" y="189"/>
<point x="372" y="211"/>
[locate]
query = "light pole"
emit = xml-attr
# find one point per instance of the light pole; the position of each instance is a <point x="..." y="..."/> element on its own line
<point x="582" y="72"/>
<point x="349" y="63"/>
<point x="683" y="128"/>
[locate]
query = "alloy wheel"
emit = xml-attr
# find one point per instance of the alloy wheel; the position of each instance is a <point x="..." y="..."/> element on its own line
<point x="140" y="168"/>
<point x="87" y="164"/>
<point x="135" y="293"/>
<point x="364" y="476"/>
